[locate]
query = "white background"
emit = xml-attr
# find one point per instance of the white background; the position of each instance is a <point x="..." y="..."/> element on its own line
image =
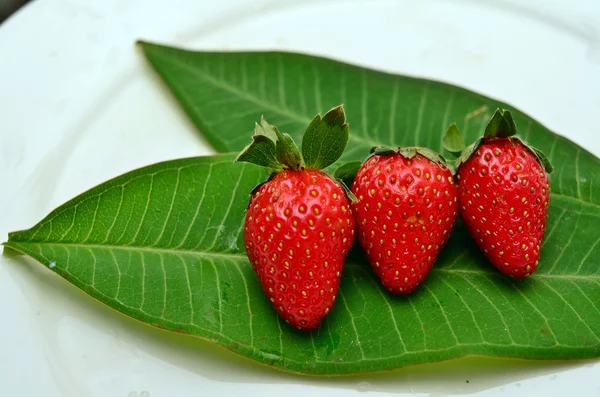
<point x="78" y="105"/>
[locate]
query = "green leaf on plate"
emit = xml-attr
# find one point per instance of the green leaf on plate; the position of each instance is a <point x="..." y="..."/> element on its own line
<point x="383" y="109"/>
<point x="163" y="243"/>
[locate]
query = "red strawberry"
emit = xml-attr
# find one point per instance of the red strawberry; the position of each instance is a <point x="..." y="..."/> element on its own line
<point x="299" y="228"/>
<point x="299" y="225"/>
<point x="503" y="194"/>
<point x="405" y="211"/>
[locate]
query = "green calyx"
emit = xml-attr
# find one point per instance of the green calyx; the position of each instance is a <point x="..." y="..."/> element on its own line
<point x="501" y="125"/>
<point x="323" y="143"/>
<point x="541" y="158"/>
<point x="410" y="152"/>
<point x="271" y="149"/>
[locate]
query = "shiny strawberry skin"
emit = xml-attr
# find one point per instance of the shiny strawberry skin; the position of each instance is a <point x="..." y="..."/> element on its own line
<point x="298" y="230"/>
<point x="405" y="211"/>
<point x="503" y="193"/>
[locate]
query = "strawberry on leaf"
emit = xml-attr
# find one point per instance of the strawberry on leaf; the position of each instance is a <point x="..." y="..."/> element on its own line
<point x="405" y="209"/>
<point x="299" y="225"/>
<point x="503" y="194"/>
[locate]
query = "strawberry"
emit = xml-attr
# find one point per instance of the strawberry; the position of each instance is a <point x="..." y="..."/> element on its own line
<point x="503" y="194"/>
<point x="405" y="211"/>
<point x="299" y="225"/>
<point x="298" y="230"/>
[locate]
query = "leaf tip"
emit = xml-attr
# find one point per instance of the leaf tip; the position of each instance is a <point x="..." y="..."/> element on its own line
<point x="336" y="116"/>
<point x="145" y="46"/>
<point x="7" y="250"/>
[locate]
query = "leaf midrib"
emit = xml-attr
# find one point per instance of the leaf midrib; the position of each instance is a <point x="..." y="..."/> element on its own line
<point x="242" y="257"/>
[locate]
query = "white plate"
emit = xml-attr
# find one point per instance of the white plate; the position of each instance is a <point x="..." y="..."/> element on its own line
<point x="78" y="105"/>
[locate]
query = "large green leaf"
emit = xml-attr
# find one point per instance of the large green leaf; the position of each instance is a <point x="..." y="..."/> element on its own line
<point x="162" y="244"/>
<point x="225" y="93"/>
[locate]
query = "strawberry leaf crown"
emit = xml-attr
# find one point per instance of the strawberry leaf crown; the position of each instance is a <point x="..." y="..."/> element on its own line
<point x="348" y="171"/>
<point x="501" y="126"/>
<point x="410" y="152"/>
<point x="323" y="143"/>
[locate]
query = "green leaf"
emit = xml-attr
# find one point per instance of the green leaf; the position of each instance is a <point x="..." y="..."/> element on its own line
<point x="163" y="244"/>
<point x="453" y="141"/>
<point x="325" y="139"/>
<point x="384" y="109"/>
